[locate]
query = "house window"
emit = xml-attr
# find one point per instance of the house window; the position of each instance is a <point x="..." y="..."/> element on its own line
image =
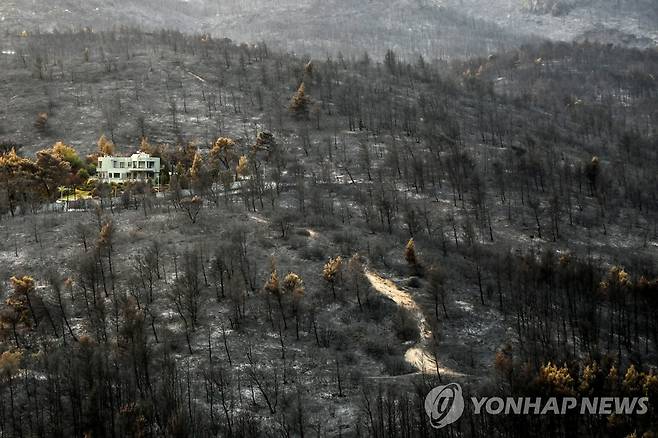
<point x="151" y="164"/>
<point x="114" y="163"/>
<point x="130" y="164"/>
<point x="117" y="175"/>
<point x="142" y="164"/>
<point x="122" y="164"/>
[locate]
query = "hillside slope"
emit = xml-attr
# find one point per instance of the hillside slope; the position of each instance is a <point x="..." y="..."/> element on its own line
<point x="307" y="26"/>
<point x="477" y="221"/>
<point x="434" y="28"/>
<point x="598" y="20"/>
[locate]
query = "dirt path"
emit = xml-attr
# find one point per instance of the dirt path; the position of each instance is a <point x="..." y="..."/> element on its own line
<point x="196" y="76"/>
<point x="258" y="219"/>
<point x="419" y="356"/>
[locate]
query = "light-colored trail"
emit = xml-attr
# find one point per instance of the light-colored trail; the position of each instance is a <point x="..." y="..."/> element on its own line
<point x="196" y="76"/>
<point x="419" y="356"/>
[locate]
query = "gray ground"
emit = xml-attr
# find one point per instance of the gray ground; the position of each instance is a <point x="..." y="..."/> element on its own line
<point x="434" y="28"/>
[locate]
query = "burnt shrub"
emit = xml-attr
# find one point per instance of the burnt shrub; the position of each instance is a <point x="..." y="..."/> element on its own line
<point x="396" y="365"/>
<point x="406" y="326"/>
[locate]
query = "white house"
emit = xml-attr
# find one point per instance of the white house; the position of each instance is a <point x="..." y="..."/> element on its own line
<point x="138" y="167"/>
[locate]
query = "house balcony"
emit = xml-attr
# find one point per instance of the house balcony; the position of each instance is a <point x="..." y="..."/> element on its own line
<point x="143" y="175"/>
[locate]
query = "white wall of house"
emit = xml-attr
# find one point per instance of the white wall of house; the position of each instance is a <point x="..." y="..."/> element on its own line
<point x="137" y="167"/>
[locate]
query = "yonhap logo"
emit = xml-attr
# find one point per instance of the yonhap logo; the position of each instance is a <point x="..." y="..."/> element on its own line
<point x="444" y="405"/>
